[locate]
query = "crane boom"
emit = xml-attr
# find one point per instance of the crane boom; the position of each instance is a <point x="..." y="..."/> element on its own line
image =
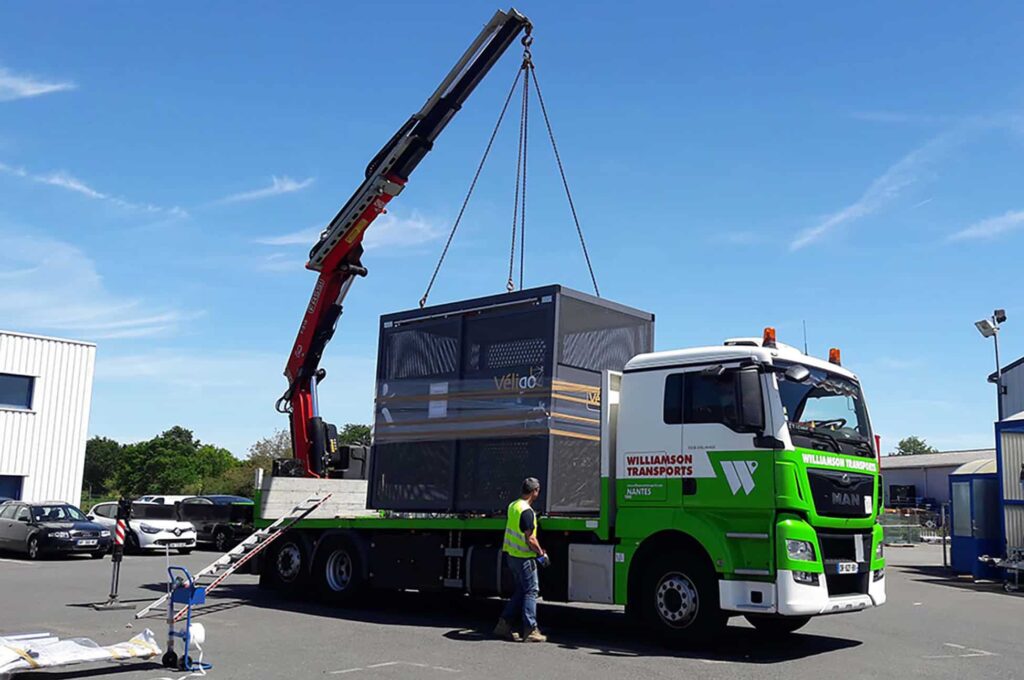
<point x="336" y="256"/>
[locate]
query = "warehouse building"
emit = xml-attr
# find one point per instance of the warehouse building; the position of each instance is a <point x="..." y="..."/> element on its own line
<point x="45" y="395"/>
<point x="923" y="478"/>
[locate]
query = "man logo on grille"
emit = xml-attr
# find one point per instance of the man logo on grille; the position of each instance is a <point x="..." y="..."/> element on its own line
<point x="739" y="474"/>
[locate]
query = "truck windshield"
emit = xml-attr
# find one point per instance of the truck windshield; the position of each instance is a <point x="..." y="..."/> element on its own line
<point x="826" y="412"/>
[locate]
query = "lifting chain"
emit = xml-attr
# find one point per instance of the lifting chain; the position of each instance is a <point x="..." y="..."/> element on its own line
<point x="528" y="73"/>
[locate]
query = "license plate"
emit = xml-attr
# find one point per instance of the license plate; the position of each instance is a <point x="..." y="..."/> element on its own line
<point x="847" y="567"/>
<point x="87" y="541"/>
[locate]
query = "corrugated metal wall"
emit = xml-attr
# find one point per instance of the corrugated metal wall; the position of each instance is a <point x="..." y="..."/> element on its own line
<point x="47" y="444"/>
<point x="1013" y="458"/>
<point x="1013" y="400"/>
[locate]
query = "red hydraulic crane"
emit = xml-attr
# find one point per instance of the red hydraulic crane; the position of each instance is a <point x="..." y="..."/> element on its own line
<point x="337" y="255"/>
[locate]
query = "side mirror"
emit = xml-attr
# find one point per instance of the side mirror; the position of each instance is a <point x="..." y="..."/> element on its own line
<point x="26" y="520"/>
<point x="91" y="518"/>
<point x="797" y="373"/>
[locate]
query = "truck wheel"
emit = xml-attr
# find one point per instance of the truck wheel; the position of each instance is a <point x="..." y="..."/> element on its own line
<point x="680" y="599"/>
<point x="287" y="564"/>
<point x="777" y="626"/>
<point x="338" y="570"/>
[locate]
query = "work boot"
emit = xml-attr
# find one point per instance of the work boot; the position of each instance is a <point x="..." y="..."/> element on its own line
<point x="504" y="631"/>
<point x="535" y="636"/>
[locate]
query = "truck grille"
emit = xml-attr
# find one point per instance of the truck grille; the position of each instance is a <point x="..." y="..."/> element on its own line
<point x="837" y="548"/>
<point x="841" y="494"/>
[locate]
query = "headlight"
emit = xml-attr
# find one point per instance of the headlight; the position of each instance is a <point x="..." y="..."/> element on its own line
<point x="59" y="534"/>
<point x="878" y="575"/>
<point x="878" y="550"/>
<point x="805" y="577"/>
<point x="104" y="534"/>
<point x="800" y="550"/>
<point x="147" y="529"/>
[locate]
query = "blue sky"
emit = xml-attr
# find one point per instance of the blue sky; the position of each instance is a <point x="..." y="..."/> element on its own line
<point x="163" y="172"/>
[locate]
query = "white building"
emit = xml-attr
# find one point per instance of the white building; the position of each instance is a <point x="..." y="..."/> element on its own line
<point x="924" y="475"/>
<point x="45" y="394"/>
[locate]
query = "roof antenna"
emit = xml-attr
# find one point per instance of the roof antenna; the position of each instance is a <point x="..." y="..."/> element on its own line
<point x="805" y="336"/>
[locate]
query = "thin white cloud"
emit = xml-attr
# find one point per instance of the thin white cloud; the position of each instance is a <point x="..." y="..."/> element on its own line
<point x="74" y="302"/>
<point x="302" y="237"/>
<point x="69" y="182"/>
<point x="883" y="191"/>
<point x="15" y="86"/>
<point x="66" y="181"/>
<point x="388" y="231"/>
<point x="278" y="185"/>
<point x="991" y="227"/>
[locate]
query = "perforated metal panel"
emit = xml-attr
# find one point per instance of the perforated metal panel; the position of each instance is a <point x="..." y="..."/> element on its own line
<point x="476" y="395"/>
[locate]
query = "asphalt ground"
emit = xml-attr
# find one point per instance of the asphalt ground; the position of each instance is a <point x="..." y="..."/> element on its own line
<point x="933" y="626"/>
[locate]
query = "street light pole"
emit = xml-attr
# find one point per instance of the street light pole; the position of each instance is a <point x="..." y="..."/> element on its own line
<point x="989" y="328"/>
<point x="999" y="377"/>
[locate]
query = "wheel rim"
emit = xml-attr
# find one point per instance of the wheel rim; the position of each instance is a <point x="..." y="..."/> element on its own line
<point x="676" y="600"/>
<point x="33" y="548"/>
<point x="289" y="562"/>
<point x="338" y="570"/>
<point x="221" y="540"/>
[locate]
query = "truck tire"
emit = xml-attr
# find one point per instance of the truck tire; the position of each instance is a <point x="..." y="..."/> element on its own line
<point x="777" y="626"/>
<point x="338" y="570"/>
<point x="286" y="567"/>
<point x="679" y="599"/>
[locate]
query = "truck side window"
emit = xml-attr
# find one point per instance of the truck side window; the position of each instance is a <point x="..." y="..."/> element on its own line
<point x="710" y="399"/>
<point x="673" y="414"/>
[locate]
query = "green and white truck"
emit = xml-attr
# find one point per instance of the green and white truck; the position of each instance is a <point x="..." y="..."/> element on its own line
<point x="739" y="479"/>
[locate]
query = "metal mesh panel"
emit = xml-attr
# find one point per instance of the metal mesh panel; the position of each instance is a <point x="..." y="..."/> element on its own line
<point x="509" y="342"/>
<point x="412" y="476"/>
<point x="424" y="350"/>
<point x="491" y="472"/>
<point x="575" y="484"/>
<point x="596" y="338"/>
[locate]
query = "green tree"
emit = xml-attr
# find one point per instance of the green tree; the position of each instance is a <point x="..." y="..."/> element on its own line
<point x="264" y="451"/>
<point x="912" y="445"/>
<point x="211" y="464"/>
<point x="102" y="457"/>
<point x="354" y="433"/>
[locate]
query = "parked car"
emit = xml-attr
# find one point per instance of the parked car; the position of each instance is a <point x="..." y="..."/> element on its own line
<point x="152" y="527"/>
<point x="53" y="527"/>
<point x="220" y="519"/>
<point x="161" y="499"/>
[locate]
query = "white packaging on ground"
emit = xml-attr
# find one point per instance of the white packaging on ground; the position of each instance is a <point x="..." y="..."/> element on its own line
<point x="43" y="650"/>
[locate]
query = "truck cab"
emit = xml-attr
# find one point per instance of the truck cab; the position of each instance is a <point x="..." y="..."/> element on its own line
<point x="745" y="472"/>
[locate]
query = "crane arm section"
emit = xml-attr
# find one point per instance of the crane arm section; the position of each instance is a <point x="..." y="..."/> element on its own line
<point x="336" y="256"/>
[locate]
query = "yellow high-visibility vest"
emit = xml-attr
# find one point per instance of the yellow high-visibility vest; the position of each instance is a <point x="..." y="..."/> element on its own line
<point x="515" y="539"/>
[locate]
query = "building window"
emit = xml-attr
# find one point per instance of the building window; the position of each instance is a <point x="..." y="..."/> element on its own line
<point x="16" y="391"/>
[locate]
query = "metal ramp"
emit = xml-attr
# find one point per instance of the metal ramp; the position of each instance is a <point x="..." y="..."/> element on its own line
<point x="214" y="573"/>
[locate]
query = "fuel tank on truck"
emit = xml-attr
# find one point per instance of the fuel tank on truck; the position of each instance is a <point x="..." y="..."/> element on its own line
<point x="473" y="396"/>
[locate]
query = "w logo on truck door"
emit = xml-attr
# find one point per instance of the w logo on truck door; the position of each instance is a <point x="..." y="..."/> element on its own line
<point x="739" y="474"/>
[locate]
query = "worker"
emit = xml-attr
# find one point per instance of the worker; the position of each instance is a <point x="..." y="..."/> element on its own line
<point x="523" y="555"/>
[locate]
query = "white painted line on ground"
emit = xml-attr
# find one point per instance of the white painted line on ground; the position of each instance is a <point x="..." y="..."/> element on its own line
<point x="968" y="652"/>
<point x="21" y="563"/>
<point x="443" y="669"/>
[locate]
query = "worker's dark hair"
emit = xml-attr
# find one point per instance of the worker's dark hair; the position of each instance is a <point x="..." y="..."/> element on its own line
<point x="530" y="484"/>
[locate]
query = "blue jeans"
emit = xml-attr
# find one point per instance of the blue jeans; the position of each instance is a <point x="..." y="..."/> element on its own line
<point x="523" y="604"/>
